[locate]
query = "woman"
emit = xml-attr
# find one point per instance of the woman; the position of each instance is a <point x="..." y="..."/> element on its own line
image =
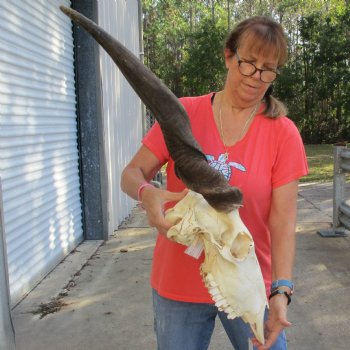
<point x="244" y="128"/>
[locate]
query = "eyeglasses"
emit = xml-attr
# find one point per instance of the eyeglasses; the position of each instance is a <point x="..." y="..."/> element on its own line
<point x="248" y="69"/>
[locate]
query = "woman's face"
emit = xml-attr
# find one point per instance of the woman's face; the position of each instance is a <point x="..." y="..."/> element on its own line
<point x="247" y="91"/>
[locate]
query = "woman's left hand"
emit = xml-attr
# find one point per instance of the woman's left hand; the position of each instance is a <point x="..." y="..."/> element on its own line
<point x="275" y="323"/>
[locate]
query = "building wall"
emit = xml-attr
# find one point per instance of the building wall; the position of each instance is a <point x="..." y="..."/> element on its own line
<point x="38" y="140"/>
<point x="121" y="107"/>
<point x="46" y="209"/>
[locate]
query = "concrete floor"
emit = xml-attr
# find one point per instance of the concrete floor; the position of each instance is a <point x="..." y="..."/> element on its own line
<point x="103" y="297"/>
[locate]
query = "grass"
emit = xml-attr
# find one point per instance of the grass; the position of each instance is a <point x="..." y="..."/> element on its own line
<point x="320" y="160"/>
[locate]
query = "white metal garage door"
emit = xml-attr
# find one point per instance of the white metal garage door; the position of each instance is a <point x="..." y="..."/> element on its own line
<point x="121" y="106"/>
<point x="38" y="140"/>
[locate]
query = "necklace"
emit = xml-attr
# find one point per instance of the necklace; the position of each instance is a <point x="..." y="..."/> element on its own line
<point x="252" y="114"/>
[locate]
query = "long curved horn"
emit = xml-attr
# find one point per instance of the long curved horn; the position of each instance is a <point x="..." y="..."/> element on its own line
<point x="191" y="165"/>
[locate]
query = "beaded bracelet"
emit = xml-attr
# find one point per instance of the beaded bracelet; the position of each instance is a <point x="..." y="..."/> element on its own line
<point x="278" y="291"/>
<point x="141" y="188"/>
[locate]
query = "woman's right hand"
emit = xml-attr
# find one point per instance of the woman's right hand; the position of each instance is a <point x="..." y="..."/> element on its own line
<point x="142" y="168"/>
<point x="153" y="200"/>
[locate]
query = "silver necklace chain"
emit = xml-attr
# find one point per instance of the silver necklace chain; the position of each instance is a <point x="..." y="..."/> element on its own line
<point x="251" y="116"/>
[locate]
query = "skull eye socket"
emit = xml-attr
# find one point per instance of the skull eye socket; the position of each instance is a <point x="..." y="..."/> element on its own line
<point x="241" y="246"/>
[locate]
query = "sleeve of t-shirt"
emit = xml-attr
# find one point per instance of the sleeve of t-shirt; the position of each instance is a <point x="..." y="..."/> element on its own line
<point x="290" y="162"/>
<point x="154" y="139"/>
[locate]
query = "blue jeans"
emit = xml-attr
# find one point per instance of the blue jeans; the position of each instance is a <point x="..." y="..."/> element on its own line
<point x="189" y="326"/>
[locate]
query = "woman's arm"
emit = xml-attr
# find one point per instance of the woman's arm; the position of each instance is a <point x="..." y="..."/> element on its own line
<point x="142" y="168"/>
<point x="282" y="221"/>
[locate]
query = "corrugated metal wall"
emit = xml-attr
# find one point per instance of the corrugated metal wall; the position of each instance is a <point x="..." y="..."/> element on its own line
<point x="121" y="106"/>
<point x="38" y="139"/>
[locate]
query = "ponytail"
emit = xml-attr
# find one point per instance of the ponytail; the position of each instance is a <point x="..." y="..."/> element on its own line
<point x="273" y="107"/>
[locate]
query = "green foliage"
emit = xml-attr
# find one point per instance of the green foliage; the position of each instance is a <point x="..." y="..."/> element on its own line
<point x="165" y="30"/>
<point x="321" y="71"/>
<point x="204" y="67"/>
<point x="184" y="42"/>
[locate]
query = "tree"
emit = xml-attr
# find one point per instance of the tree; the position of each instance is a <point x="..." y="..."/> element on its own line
<point x="184" y="42"/>
<point x="204" y="67"/>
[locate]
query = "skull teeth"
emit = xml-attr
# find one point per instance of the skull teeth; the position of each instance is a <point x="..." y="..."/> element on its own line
<point x="220" y="301"/>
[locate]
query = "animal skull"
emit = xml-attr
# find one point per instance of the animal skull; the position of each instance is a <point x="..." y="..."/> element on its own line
<point x="230" y="269"/>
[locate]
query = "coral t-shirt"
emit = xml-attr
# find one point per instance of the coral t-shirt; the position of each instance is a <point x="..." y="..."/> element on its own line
<point x="271" y="154"/>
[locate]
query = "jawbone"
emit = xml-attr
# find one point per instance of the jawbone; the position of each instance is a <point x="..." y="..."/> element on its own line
<point x="230" y="270"/>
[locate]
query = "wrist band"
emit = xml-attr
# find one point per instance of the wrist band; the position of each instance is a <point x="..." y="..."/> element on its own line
<point x="282" y="283"/>
<point x="278" y="291"/>
<point x="141" y="188"/>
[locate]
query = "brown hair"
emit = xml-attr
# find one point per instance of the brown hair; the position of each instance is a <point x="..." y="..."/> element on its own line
<point x="263" y="35"/>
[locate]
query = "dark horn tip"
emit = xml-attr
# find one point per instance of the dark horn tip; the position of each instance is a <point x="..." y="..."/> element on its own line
<point x="65" y="10"/>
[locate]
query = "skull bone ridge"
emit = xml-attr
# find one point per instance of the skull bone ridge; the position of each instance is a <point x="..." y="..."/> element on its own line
<point x="230" y="270"/>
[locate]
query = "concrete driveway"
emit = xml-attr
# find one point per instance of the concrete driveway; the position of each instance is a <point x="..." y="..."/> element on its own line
<point x="99" y="297"/>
